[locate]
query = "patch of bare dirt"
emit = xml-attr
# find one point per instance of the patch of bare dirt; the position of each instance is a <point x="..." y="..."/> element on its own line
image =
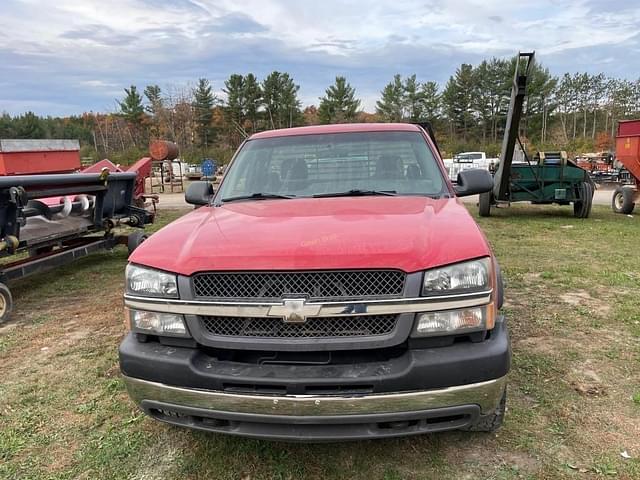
<point x="545" y="345"/>
<point x="582" y="298"/>
<point x="586" y="381"/>
<point x="68" y="324"/>
<point x="601" y="417"/>
<point x="63" y="452"/>
<point x="489" y="459"/>
<point x="532" y="277"/>
<point x="159" y="459"/>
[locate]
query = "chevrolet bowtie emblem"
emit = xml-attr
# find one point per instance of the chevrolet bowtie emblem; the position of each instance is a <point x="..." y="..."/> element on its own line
<point x="294" y="310"/>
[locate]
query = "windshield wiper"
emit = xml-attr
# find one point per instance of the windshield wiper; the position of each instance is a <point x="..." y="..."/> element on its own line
<point x="257" y="196"/>
<point x="356" y="193"/>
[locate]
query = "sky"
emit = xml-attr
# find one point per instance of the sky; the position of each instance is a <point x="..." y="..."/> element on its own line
<point x="66" y="57"/>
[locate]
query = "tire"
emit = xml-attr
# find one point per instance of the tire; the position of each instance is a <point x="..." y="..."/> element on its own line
<point x="135" y="239"/>
<point x="622" y="201"/>
<point x="6" y="303"/>
<point x="491" y="422"/>
<point x="589" y="200"/>
<point x="582" y="207"/>
<point x="484" y="204"/>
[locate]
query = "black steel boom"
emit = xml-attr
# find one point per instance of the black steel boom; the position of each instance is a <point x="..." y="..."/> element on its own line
<point x="518" y="93"/>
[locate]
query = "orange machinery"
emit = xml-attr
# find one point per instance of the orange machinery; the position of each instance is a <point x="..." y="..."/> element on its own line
<point x="628" y="154"/>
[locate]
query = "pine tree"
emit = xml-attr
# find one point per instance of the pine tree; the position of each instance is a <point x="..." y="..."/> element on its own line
<point x="7" y="126"/>
<point x="280" y="100"/>
<point x="204" y="101"/>
<point x="413" y="100"/>
<point x="339" y="104"/>
<point x="235" y="108"/>
<point x="252" y="99"/>
<point x="154" y="96"/>
<point x="430" y="101"/>
<point x="391" y="106"/>
<point x="29" y="125"/>
<point x="458" y="98"/>
<point x="131" y="106"/>
<point x="409" y="100"/>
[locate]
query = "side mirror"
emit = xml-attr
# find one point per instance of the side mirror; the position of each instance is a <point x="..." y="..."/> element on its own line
<point x="473" y="182"/>
<point x="199" y="193"/>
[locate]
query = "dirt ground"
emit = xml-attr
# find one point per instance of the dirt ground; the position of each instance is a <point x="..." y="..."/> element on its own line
<point x="573" y="308"/>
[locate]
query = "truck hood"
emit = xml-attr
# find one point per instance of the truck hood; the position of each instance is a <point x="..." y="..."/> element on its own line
<point x="406" y="233"/>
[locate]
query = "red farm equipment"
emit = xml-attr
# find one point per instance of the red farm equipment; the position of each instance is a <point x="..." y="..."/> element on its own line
<point x="628" y="154"/>
<point x="51" y="212"/>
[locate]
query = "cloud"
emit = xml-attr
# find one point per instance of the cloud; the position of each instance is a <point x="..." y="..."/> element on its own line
<point x="99" y="34"/>
<point x="75" y="55"/>
<point x="235" y="23"/>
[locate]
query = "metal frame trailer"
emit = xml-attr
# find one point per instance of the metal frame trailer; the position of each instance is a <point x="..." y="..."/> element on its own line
<point x="548" y="177"/>
<point x="50" y="220"/>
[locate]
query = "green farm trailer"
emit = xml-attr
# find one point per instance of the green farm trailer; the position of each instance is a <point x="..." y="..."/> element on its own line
<point x="548" y="177"/>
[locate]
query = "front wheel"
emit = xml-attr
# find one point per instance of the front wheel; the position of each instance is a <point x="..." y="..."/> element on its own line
<point x="622" y="201"/>
<point x="6" y="303"/>
<point x="135" y="239"/>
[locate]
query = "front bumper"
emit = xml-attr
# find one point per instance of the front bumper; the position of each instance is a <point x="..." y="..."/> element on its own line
<point x="423" y="390"/>
<point x="318" y="418"/>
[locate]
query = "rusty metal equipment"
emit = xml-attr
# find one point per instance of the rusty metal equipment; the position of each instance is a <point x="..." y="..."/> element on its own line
<point x="47" y="220"/>
<point x="548" y="177"/>
<point x="165" y="163"/>
<point x="28" y="157"/>
<point x="163" y="150"/>
<point x="628" y="154"/>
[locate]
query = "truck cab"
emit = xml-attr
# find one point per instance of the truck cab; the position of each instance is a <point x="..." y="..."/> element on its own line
<point x="334" y="287"/>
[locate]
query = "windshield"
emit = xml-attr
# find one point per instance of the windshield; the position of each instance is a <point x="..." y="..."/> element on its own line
<point x="308" y="165"/>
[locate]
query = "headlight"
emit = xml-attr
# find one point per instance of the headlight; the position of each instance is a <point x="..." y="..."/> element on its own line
<point x="150" y="283"/>
<point x="156" y="323"/>
<point x="473" y="276"/>
<point x="449" y="322"/>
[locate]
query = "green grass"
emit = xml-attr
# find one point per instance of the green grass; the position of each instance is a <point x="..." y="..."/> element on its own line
<point x="573" y="307"/>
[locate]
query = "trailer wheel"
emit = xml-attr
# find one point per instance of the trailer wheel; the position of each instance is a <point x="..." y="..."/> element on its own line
<point x="135" y="239"/>
<point x="484" y="204"/>
<point x="6" y="303"/>
<point x="622" y="201"/>
<point x="582" y="207"/>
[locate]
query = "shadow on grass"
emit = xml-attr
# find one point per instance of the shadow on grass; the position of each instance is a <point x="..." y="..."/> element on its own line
<point x="430" y="455"/>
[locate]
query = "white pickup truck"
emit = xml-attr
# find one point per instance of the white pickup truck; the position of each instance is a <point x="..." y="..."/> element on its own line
<point x="467" y="160"/>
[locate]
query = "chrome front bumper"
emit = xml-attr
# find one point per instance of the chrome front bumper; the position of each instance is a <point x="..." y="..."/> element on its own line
<point x="486" y="395"/>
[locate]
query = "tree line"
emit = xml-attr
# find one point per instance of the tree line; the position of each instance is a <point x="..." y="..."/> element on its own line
<point x="576" y="112"/>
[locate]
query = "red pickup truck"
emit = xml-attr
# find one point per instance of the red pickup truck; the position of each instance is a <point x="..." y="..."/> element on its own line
<point x="334" y="287"/>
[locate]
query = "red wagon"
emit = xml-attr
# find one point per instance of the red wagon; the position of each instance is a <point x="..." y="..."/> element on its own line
<point x="628" y="153"/>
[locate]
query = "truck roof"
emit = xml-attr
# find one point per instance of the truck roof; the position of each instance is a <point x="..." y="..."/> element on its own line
<point x="339" y="128"/>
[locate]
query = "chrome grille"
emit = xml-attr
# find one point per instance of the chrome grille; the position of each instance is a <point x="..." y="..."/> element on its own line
<point x="318" y="327"/>
<point x="313" y="285"/>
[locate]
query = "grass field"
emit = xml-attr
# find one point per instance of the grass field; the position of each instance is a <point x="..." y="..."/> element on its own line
<point x="573" y="304"/>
